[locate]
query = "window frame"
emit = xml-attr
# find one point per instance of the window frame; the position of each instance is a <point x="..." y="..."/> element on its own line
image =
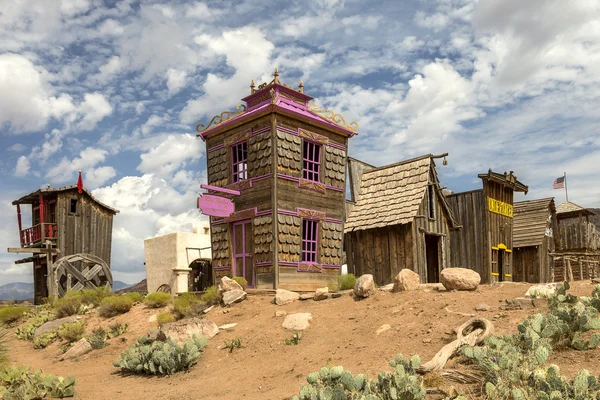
<point x="314" y="174"/>
<point x="431" y="201"/>
<point x="310" y="255"/>
<point x="239" y="175"/>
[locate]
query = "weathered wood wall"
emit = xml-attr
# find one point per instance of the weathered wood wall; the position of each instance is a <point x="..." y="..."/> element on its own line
<point x="89" y="230"/>
<point x="577" y="235"/>
<point x="498" y="229"/>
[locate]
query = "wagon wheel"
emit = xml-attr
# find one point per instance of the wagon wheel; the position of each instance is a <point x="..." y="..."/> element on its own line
<point x="164" y="288"/>
<point x="81" y="271"/>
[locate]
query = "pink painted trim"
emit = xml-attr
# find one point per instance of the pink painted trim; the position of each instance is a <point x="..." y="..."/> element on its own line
<point x="286" y="212"/>
<point x="239" y="161"/>
<point x="262" y="213"/>
<point x="310" y="240"/>
<point x="261" y="177"/>
<point x="288" y="264"/>
<point x="258" y="131"/>
<point x="297" y="133"/>
<point x="217" y="147"/>
<point x="336" y="145"/>
<point x="337" y="221"/>
<point x="219" y="222"/>
<point x="243" y="254"/>
<point x="311" y="161"/>
<point x="330" y="266"/>
<point x="220" y="189"/>
<point x="223" y="268"/>
<point x="337" y="189"/>
<point x="264" y="264"/>
<point x="287" y="130"/>
<point x="289" y="178"/>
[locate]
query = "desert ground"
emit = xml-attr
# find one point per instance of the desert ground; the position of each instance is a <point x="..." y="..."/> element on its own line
<point x="342" y="331"/>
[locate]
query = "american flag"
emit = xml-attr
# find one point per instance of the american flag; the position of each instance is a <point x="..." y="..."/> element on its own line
<point x="559" y="183"/>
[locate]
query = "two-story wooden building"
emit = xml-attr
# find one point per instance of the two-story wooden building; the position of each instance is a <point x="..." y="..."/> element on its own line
<point x="282" y="162"/>
<point x="71" y="221"/>
<point x="485" y="241"/>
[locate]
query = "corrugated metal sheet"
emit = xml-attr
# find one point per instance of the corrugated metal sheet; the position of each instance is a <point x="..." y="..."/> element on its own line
<point x="530" y="221"/>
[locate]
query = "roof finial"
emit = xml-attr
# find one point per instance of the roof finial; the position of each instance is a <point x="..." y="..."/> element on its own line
<point x="252" y="86"/>
<point x="276" y="76"/>
<point x="79" y="183"/>
<point x="301" y="86"/>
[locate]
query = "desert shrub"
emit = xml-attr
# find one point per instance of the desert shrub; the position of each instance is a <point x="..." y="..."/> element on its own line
<point x="346" y="281"/>
<point x="135" y="296"/>
<point x="233" y="344"/>
<point x="98" y="338"/>
<point x="188" y="305"/>
<point x="114" y="305"/>
<point x="42" y="341"/>
<point x="94" y="296"/>
<point x="17" y="383"/>
<point x="158" y="300"/>
<point x="3" y="346"/>
<point x="336" y="383"/>
<point x="211" y="296"/>
<point x="71" y="331"/>
<point x="68" y="305"/>
<point x="295" y="339"/>
<point x="41" y="316"/>
<point x="333" y="286"/>
<point x="117" y="329"/>
<point x="11" y="314"/>
<point x="161" y="358"/>
<point x="241" y="281"/>
<point x="165" y="318"/>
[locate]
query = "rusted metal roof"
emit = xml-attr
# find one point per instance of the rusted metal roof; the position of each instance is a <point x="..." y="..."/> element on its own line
<point x="530" y="221"/>
<point x="34" y="197"/>
<point x="391" y="195"/>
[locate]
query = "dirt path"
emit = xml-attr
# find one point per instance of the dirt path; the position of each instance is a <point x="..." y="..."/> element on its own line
<point x="342" y="330"/>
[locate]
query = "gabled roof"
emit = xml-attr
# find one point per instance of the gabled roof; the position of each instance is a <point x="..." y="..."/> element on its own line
<point x="530" y="221"/>
<point x="34" y="197"/>
<point x="391" y="195"/>
<point x="509" y="179"/>
<point x="569" y="209"/>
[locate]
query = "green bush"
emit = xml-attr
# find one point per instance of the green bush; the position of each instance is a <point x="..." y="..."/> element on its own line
<point x="188" y="305"/>
<point x="346" y="281"/>
<point x="117" y="329"/>
<point x="94" y="296"/>
<point x="211" y="296"/>
<point x="71" y="331"/>
<point x="114" y="305"/>
<point x="135" y="296"/>
<point x="161" y="358"/>
<point x="165" y="318"/>
<point x="42" y="341"/>
<point x="18" y="383"/>
<point x="158" y="300"/>
<point x="241" y="281"/>
<point x="41" y="316"/>
<point x="98" y="338"/>
<point x="68" y="305"/>
<point x="11" y="314"/>
<point x="3" y="346"/>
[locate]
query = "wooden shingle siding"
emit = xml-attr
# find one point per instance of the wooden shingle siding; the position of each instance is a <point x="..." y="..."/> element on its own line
<point x="217" y="167"/>
<point x="331" y="243"/>
<point x="290" y="238"/>
<point x="289" y="154"/>
<point x="259" y="155"/>
<point x="334" y="167"/>
<point x="220" y="245"/>
<point x="263" y="238"/>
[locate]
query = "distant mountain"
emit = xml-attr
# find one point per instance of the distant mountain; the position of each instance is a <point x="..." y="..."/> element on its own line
<point x="118" y="285"/>
<point x="16" y="291"/>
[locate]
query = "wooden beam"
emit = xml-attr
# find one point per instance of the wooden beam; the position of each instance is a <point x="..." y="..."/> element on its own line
<point x="34" y="250"/>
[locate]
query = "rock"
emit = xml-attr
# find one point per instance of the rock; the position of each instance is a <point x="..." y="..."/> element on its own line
<point x="283" y="296"/>
<point x="152" y="318"/>
<point x="364" y="286"/>
<point x="156" y="335"/>
<point x="482" y="307"/>
<point x="227" y="327"/>
<point x="185" y="329"/>
<point x="519" y="303"/>
<point x="306" y="296"/>
<point x="336" y="295"/>
<point x="233" y="296"/>
<point x="406" y="280"/>
<point x="383" y="328"/>
<point x="80" y="348"/>
<point x="280" y="314"/>
<point x="386" y="288"/>
<point x="206" y="310"/>
<point x="459" y="279"/>
<point x="228" y="285"/>
<point x="543" y="291"/>
<point x="322" y="294"/>
<point x="52" y="326"/>
<point x="297" y="322"/>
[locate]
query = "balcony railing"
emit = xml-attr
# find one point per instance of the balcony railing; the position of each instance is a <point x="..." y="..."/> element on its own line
<point x="38" y="234"/>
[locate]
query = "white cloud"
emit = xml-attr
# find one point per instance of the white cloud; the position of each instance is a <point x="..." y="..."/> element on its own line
<point x="110" y="27"/>
<point x="65" y="170"/>
<point x="170" y="155"/>
<point x="17" y="147"/>
<point x="96" y="177"/>
<point x="22" y="167"/>
<point x="93" y="109"/>
<point x="107" y="71"/>
<point x="176" y="80"/>
<point x="74" y="7"/>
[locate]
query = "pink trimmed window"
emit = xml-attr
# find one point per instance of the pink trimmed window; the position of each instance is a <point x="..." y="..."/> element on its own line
<point x="310" y="230"/>
<point x="311" y="161"/>
<point x="239" y="161"/>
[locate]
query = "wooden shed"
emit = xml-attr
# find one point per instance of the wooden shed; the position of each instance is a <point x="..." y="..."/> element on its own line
<point x="281" y="161"/>
<point x="400" y="219"/>
<point x="66" y="221"/>
<point x="484" y="244"/>
<point x="534" y="227"/>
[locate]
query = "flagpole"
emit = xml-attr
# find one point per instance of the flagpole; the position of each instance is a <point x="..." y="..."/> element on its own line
<point x="566" y="191"/>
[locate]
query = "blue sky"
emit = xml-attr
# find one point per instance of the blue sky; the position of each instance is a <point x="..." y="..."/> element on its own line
<point x="115" y="88"/>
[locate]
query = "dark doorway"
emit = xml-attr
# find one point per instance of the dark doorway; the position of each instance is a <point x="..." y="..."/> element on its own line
<point x="201" y="275"/>
<point x="432" y="256"/>
<point x="500" y="265"/>
<point x="40" y="283"/>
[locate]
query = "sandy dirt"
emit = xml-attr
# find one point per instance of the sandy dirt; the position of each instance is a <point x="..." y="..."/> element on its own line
<point x="342" y="331"/>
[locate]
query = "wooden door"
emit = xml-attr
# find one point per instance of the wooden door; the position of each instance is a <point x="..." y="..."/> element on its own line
<point x="243" y="251"/>
<point x="433" y="261"/>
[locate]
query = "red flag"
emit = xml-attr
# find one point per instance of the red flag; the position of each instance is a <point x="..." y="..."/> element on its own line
<point x="79" y="184"/>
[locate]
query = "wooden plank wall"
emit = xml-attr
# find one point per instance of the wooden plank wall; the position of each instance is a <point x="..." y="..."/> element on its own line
<point x="355" y="171"/>
<point x="467" y="243"/>
<point x="87" y="231"/>
<point x="527" y="264"/>
<point x="382" y="252"/>
<point x="577" y="236"/>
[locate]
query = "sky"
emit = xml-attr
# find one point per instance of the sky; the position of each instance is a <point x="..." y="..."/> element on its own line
<point x="115" y="89"/>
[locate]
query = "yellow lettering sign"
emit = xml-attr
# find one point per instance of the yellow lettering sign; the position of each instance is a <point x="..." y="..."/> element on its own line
<point x="499" y="207"/>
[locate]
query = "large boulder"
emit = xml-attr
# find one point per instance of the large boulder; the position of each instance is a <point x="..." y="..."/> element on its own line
<point x="185" y="329"/>
<point x="80" y="348"/>
<point x="52" y="326"/>
<point x="283" y="296"/>
<point x="364" y="286"/>
<point x="459" y="279"/>
<point x="406" y="280"/>
<point x="228" y="285"/>
<point x="297" y="322"/>
<point x="233" y="296"/>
